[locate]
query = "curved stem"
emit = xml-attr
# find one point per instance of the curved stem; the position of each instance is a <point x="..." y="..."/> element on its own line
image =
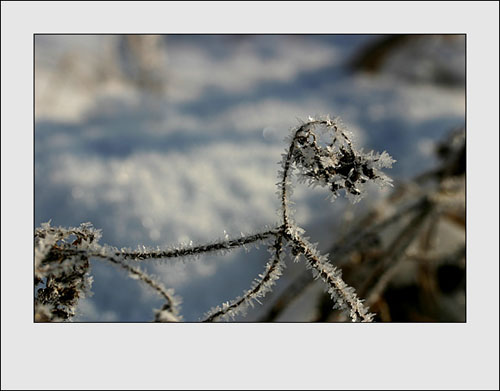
<point x="284" y="179"/>
<point x="170" y="306"/>
<point x="260" y="288"/>
<point x="343" y="295"/>
<point x="287" y="163"/>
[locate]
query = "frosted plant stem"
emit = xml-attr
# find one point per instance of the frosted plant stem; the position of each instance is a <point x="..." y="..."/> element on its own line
<point x="284" y="181"/>
<point x="259" y="288"/>
<point x="286" y="297"/>
<point x="200" y="249"/>
<point x="180" y="252"/>
<point x="335" y="165"/>
<point x="171" y="301"/>
<point x="343" y="295"/>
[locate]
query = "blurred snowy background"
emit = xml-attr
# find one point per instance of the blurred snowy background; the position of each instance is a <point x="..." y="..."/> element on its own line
<point x="160" y="140"/>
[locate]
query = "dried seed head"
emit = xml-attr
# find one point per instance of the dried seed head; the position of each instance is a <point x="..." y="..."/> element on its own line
<point x="324" y="155"/>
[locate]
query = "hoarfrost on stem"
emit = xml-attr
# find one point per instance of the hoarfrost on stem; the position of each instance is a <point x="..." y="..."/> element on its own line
<point x="320" y="150"/>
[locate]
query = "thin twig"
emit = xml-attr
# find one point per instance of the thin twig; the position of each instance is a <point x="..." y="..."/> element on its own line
<point x="172" y="303"/>
<point x="260" y="288"/>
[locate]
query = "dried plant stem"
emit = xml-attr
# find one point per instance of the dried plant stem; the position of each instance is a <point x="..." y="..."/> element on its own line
<point x="196" y="250"/>
<point x="146" y="254"/>
<point x="394" y="253"/>
<point x="171" y="305"/>
<point x="259" y="289"/>
<point x="335" y="165"/>
<point x="343" y="295"/>
<point x="286" y="297"/>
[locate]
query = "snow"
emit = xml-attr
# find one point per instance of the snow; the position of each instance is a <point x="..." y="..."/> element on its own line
<point x="197" y="155"/>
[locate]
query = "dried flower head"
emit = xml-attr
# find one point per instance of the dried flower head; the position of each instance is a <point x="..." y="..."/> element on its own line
<point x="325" y="156"/>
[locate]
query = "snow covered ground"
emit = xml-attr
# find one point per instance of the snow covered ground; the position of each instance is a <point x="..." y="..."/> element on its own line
<point x="164" y="140"/>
